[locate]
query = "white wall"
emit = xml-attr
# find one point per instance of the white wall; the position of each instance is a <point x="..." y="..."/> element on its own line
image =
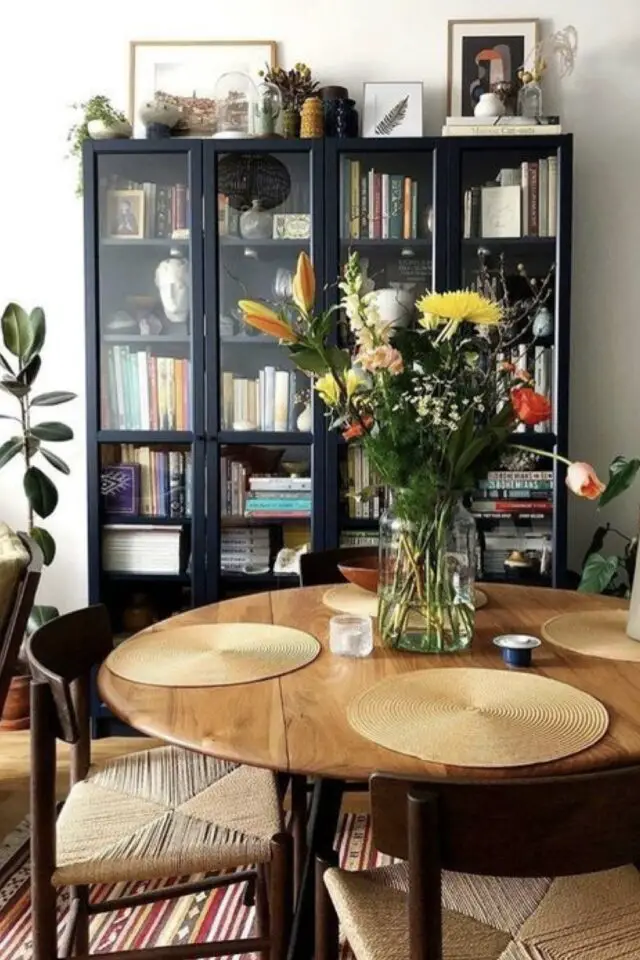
<point x="54" y="54"/>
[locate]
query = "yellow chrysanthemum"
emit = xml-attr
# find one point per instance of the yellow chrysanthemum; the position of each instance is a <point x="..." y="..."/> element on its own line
<point x="458" y="306"/>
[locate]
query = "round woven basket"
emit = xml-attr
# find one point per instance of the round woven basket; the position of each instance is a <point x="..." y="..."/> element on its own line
<point x="478" y="718"/>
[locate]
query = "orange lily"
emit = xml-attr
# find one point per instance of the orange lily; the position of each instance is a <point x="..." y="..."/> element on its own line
<point x="267" y="320"/>
<point x="304" y="285"/>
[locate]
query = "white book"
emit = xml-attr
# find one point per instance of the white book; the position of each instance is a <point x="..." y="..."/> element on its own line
<point x="117" y="367"/>
<point x="525" y="198"/>
<point x="143" y="389"/>
<point x="281" y="401"/>
<point x="543" y="197"/>
<point x="501" y="209"/>
<point x="553" y="196"/>
<point x="227" y="400"/>
<point x="270" y="397"/>
<point x="370" y="195"/>
<point x="252" y="404"/>
<point x="385" y="207"/>
<point x="261" y="380"/>
<point x="502" y="130"/>
<point x="467" y="215"/>
<point x="276" y="484"/>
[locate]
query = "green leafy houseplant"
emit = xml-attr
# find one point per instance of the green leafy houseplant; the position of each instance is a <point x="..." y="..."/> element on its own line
<point x="611" y="574"/>
<point x="97" y="108"/>
<point x="23" y="336"/>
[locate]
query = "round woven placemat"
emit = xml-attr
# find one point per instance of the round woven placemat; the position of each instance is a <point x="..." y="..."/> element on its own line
<point x="211" y="655"/>
<point x="349" y="598"/>
<point x="595" y="633"/>
<point x="478" y="718"/>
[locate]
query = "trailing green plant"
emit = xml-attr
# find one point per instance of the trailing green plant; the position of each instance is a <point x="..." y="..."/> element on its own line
<point x="97" y="108"/>
<point x="611" y="574"/>
<point x="23" y="336"/>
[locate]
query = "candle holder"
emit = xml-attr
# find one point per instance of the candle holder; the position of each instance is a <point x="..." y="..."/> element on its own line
<point x="516" y="648"/>
<point x="350" y="636"/>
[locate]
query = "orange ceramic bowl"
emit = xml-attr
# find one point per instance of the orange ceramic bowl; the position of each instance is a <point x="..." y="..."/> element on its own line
<point x="363" y="571"/>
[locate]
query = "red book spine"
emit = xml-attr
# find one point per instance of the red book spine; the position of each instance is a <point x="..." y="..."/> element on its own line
<point x="153" y="393"/>
<point x="515" y="506"/>
<point x="534" y="207"/>
<point x="377" y="206"/>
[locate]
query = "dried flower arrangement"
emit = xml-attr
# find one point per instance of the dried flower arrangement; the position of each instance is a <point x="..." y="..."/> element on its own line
<point x="294" y="85"/>
<point x="563" y="45"/>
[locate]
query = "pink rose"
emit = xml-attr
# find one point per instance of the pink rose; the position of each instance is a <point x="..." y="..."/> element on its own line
<point x="382" y="358"/>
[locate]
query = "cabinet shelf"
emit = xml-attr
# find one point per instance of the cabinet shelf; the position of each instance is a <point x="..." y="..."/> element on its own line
<point x="160" y="577"/>
<point x="264" y="580"/>
<point x="386" y="243"/>
<point x="143" y="339"/>
<point x="265" y="437"/>
<point x="226" y="522"/>
<point x="510" y="241"/>
<point x="145" y="521"/>
<point x="142" y="242"/>
<point x="264" y="242"/>
<point x="359" y="523"/>
<point x="145" y="436"/>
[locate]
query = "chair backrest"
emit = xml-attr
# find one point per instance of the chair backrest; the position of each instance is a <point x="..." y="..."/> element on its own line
<point x="551" y="826"/>
<point x="321" y="566"/>
<point x="20" y="566"/>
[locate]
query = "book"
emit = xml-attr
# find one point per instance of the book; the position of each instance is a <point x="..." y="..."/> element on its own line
<point x="553" y="195"/>
<point x="282" y="484"/>
<point x="524" y="170"/>
<point x="354" y="229"/>
<point x="345" y="200"/>
<point x="364" y="207"/>
<point x="406" y="208"/>
<point x="511" y="506"/>
<point x="281" y="401"/>
<point x="512" y="130"/>
<point x="395" y="206"/>
<point x="384" y="233"/>
<point x="534" y="213"/>
<point x="120" y="489"/>
<point x="132" y="548"/>
<point x="377" y="206"/>
<point x="543" y="197"/>
<point x="501" y="209"/>
<point x="507" y="121"/>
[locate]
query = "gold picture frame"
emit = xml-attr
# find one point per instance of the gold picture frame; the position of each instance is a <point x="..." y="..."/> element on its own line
<point x="125" y="214"/>
<point x="520" y="36"/>
<point x="191" y="68"/>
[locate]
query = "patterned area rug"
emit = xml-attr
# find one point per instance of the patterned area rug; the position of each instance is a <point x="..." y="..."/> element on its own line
<point x="213" y="915"/>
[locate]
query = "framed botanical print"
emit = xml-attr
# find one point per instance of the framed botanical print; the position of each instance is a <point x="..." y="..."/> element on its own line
<point x="184" y="74"/>
<point x="392" y="109"/>
<point x="484" y="52"/>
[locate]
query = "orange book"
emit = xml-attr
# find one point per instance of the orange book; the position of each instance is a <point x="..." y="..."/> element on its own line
<point x="178" y="369"/>
<point x="406" y="209"/>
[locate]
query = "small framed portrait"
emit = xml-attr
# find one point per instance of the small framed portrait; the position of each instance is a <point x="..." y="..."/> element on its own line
<point x="392" y="109"/>
<point x="125" y="214"/>
<point x="484" y="52"/>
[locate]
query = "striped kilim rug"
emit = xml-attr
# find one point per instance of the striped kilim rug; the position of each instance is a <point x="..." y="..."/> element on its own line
<point x="213" y="915"/>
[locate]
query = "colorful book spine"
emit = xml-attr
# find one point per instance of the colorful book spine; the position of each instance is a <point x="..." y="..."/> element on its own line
<point x="534" y="211"/>
<point x="354" y="228"/>
<point x="406" y="208"/>
<point x="395" y="206"/>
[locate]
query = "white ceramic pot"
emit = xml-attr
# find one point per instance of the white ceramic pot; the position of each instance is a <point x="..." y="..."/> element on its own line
<point x="489" y="105"/>
<point x="158" y="111"/>
<point x="118" y="130"/>
<point x="304" y="421"/>
<point x="395" y="306"/>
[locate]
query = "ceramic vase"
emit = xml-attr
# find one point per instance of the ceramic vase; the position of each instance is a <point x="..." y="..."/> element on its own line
<point x="395" y="306"/>
<point x="305" y="419"/>
<point x="290" y="123"/>
<point x="173" y="280"/>
<point x="312" y="118"/>
<point x="116" y="130"/>
<point x="633" y="623"/>
<point x="256" y="223"/>
<point x="489" y="105"/>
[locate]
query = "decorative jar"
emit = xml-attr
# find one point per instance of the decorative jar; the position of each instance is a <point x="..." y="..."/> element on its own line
<point x="312" y="118"/>
<point x="426" y="576"/>
<point x="290" y="123"/>
<point x="256" y="223"/>
<point x="530" y="100"/>
<point x="266" y="110"/>
<point x="489" y="105"/>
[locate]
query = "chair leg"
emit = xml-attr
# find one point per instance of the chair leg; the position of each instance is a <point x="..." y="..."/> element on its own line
<point x="280" y="896"/>
<point x="263" y="923"/>
<point x="327" y="935"/>
<point x="43" y="917"/>
<point x="81" y="936"/>
<point x="298" y="828"/>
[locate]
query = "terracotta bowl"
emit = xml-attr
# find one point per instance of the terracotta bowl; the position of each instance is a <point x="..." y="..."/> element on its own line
<point x="363" y="571"/>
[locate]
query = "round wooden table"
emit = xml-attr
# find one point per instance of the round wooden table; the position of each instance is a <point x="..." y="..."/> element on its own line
<point x="297" y="722"/>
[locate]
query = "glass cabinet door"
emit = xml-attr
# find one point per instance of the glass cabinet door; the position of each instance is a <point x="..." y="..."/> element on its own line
<point x="506" y="239"/>
<point x="144" y="281"/>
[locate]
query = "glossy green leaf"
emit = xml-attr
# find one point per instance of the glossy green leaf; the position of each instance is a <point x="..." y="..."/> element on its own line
<point x="38" y="330"/>
<point x="4" y="363"/>
<point x="41" y="492"/>
<point x="55" y="461"/>
<point x="53" y="431"/>
<point x="13" y="387"/>
<point x="41" y="614"/>
<point x="16" y="330"/>
<point x="30" y="371"/>
<point x="622" y="473"/>
<point x="309" y="361"/>
<point x="598" y="573"/>
<point x="46" y="543"/>
<point x="9" y="449"/>
<point x="53" y="398"/>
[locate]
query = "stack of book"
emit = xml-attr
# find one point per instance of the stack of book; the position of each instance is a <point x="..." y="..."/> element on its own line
<point x="146" y="392"/>
<point x="279" y="497"/>
<point x="165" y="208"/>
<point x="147" y="481"/>
<point x="265" y="403"/>
<point x="233" y="487"/>
<point x="364" y="488"/>
<point x="378" y="206"/>
<point x="522" y="202"/>
<point x="501" y="127"/>
<point x="359" y="538"/>
<point x="127" y="548"/>
<point x="243" y="547"/>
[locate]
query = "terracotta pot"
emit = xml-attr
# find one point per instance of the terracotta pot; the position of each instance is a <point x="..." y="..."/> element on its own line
<point x="16" y="713"/>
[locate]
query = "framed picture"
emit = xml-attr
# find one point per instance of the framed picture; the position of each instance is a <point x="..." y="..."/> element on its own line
<point x="185" y="72"/>
<point x="125" y="214"/>
<point x="392" y="110"/>
<point x="483" y="52"/>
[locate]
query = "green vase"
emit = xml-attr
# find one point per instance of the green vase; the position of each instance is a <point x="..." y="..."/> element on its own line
<point x="290" y="123"/>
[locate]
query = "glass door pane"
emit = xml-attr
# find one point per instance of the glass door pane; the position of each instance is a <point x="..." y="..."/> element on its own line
<point x="144" y="290"/>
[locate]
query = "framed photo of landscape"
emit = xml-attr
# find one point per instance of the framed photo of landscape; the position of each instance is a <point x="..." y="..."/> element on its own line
<point x="184" y="73"/>
<point x="483" y="52"/>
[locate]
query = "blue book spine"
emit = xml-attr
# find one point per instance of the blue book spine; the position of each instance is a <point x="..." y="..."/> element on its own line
<point x="272" y="503"/>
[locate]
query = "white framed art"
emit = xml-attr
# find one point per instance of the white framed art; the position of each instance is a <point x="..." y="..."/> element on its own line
<point x="483" y="52"/>
<point x="184" y="73"/>
<point x="392" y="109"/>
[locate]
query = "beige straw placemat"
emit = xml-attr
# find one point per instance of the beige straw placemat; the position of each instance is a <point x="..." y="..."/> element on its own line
<point x="478" y="718"/>
<point x="211" y="655"/>
<point x="595" y="633"/>
<point x="349" y="598"/>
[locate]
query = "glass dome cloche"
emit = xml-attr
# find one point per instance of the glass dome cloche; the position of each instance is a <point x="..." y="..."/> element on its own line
<point x="235" y="97"/>
<point x="266" y="110"/>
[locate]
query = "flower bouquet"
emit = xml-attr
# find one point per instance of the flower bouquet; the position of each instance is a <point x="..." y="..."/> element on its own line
<point x="435" y="409"/>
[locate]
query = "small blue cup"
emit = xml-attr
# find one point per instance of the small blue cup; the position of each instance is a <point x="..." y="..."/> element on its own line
<point x="516" y="648"/>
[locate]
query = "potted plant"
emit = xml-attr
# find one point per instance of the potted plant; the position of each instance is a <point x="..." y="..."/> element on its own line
<point x="23" y="337"/>
<point x="602" y="573"/>
<point x="99" y="121"/>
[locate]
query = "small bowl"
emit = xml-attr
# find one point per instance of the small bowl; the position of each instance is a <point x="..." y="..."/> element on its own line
<point x="362" y="571"/>
<point x="516" y="648"/>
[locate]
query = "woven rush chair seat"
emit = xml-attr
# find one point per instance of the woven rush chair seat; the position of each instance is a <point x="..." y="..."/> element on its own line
<point x="594" y="916"/>
<point x="165" y="812"/>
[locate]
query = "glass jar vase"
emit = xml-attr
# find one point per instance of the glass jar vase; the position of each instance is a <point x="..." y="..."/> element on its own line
<point x="426" y="579"/>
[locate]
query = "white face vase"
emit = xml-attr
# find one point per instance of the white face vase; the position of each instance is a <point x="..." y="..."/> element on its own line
<point x="173" y="280"/>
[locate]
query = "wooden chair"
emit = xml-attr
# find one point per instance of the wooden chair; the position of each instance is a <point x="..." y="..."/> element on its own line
<point x="164" y="812"/>
<point x="20" y="566"/>
<point x="491" y="837"/>
<point x="321" y="566"/>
